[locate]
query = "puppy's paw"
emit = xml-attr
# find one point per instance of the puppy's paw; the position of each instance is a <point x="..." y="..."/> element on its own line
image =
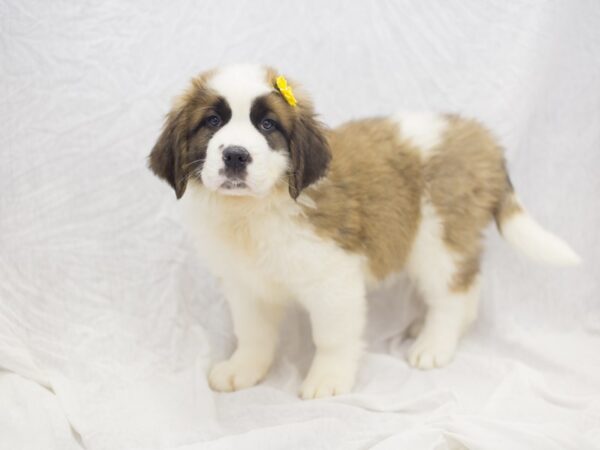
<point x="235" y="374"/>
<point x="432" y="350"/>
<point x="326" y="378"/>
<point x="326" y="385"/>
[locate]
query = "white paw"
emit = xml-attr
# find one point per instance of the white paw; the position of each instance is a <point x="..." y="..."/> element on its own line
<point x="233" y="375"/>
<point x="328" y="378"/>
<point x="432" y="350"/>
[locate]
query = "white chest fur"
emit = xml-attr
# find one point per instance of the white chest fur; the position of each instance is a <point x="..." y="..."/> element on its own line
<point x="264" y="244"/>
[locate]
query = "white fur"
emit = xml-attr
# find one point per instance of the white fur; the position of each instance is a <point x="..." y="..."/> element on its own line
<point x="526" y="235"/>
<point x="265" y="256"/>
<point x="423" y="130"/>
<point x="432" y="265"/>
<point x="240" y="85"/>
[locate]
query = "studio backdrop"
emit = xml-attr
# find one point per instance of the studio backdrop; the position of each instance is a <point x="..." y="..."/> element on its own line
<point x="108" y="322"/>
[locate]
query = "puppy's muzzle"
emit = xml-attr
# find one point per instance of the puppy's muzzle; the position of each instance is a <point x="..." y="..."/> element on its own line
<point x="236" y="160"/>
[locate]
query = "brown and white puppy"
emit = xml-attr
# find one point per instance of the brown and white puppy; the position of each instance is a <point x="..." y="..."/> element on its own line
<point x="282" y="208"/>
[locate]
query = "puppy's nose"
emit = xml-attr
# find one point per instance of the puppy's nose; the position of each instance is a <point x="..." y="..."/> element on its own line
<point x="236" y="158"/>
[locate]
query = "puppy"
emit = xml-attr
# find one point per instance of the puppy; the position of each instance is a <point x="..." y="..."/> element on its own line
<point x="283" y="208"/>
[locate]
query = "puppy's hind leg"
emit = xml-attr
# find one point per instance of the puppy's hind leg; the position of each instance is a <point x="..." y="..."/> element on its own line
<point x="448" y="316"/>
<point x="449" y="283"/>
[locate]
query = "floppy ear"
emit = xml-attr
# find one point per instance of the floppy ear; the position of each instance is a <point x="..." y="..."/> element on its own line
<point x="310" y="152"/>
<point x="166" y="157"/>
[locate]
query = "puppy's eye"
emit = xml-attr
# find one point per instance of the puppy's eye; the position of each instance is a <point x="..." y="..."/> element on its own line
<point x="214" y="121"/>
<point x="267" y="124"/>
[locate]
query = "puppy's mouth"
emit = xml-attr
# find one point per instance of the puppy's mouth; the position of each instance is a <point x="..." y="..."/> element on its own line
<point x="234" y="186"/>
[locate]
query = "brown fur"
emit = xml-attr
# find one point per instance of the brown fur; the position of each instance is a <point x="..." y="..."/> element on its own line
<point x="272" y="106"/>
<point x="465" y="179"/>
<point x="179" y="150"/>
<point x="370" y="200"/>
<point x="309" y="150"/>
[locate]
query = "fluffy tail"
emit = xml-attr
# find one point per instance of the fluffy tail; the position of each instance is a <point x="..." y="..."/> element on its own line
<point x="522" y="232"/>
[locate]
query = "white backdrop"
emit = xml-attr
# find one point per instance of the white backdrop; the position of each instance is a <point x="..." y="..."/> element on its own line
<point x="108" y="323"/>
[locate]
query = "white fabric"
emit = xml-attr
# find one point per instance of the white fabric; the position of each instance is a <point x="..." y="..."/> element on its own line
<point x="107" y="322"/>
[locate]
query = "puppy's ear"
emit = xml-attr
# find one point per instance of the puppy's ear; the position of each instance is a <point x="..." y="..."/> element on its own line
<point x="166" y="157"/>
<point x="310" y="154"/>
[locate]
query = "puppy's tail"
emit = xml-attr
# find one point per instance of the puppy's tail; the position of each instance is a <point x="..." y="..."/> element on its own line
<point x="522" y="232"/>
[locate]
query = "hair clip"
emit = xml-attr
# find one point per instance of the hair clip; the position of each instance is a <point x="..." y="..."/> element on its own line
<point x="286" y="90"/>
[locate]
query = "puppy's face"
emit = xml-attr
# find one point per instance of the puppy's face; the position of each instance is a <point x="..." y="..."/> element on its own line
<point x="235" y="133"/>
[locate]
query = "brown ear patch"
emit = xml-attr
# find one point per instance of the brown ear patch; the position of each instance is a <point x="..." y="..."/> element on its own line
<point x="165" y="157"/>
<point x="181" y="147"/>
<point x="309" y="152"/>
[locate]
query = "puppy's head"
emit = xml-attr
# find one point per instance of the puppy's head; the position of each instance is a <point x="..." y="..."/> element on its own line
<point x="235" y="133"/>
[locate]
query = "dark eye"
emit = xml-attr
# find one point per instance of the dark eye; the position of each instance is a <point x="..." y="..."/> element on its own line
<point x="267" y="124"/>
<point x="213" y="121"/>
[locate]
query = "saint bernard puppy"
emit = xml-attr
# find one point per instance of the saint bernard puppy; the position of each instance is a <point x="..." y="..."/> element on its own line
<point x="283" y="208"/>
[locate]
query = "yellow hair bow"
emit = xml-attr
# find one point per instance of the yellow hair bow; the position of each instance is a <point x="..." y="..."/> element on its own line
<point x="286" y="90"/>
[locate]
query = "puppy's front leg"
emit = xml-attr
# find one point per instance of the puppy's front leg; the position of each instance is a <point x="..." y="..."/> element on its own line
<point x="256" y="325"/>
<point x="337" y="312"/>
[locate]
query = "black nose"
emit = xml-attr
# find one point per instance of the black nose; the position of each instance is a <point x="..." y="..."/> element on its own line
<point x="236" y="158"/>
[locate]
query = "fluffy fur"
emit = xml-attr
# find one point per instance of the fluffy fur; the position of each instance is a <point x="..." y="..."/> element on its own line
<point x="317" y="216"/>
